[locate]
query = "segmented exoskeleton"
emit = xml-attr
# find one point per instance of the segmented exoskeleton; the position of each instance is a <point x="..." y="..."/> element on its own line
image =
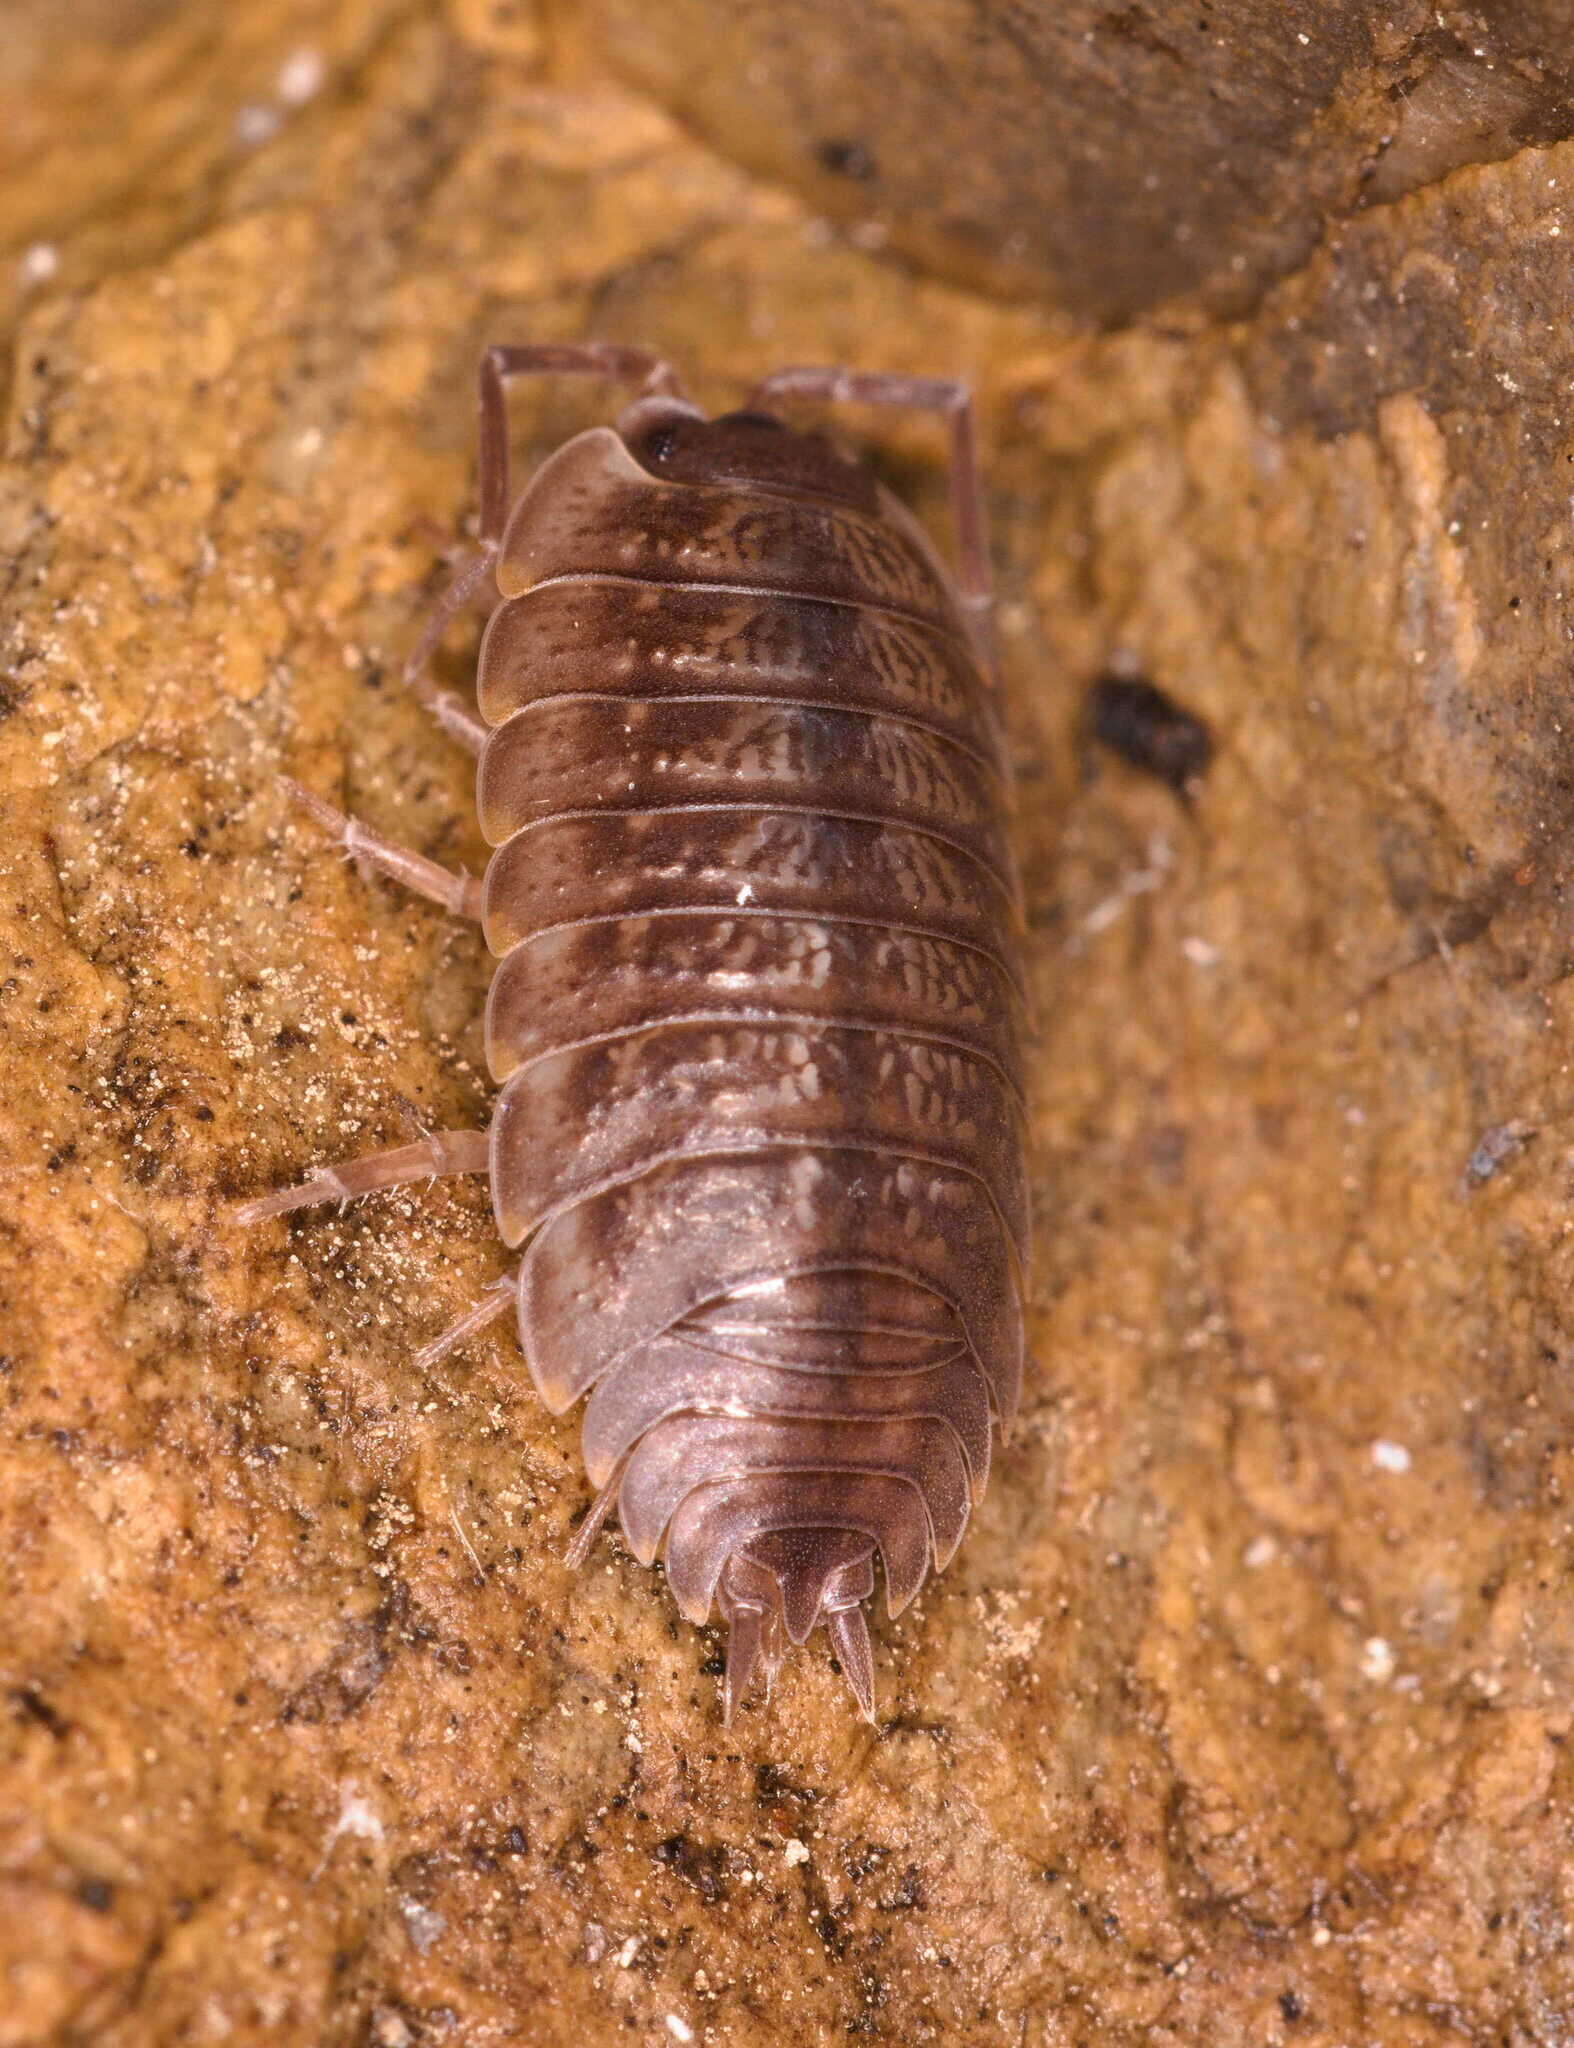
<point x="756" y="1016"/>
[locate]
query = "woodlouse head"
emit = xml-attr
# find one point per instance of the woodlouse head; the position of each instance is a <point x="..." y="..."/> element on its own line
<point x="671" y="440"/>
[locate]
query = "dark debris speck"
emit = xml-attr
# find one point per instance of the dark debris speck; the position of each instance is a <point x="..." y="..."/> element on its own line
<point x="1148" y="729"/>
<point x="847" y="158"/>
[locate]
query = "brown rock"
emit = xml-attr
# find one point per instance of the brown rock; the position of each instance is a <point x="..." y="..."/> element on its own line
<point x="1242" y="1714"/>
<point x="1105" y="158"/>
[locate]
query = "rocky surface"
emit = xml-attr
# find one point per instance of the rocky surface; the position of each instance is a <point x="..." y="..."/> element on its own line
<point x="1244" y="1713"/>
<point x="1109" y="158"/>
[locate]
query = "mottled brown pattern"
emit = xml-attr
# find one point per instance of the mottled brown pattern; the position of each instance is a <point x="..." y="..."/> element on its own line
<point x="563" y="868"/>
<point x="593" y="510"/>
<point x="756" y="1014"/>
<point x="621" y="754"/>
<point x="658" y="641"/>
<point x="583" y="981"/>
<point x="577" y="1120"/>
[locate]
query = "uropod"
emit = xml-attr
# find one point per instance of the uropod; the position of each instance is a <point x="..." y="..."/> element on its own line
<point x="756" y="1016"/>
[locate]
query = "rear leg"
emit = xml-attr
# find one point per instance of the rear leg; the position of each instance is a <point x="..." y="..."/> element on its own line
<point x="499" y="1297"/>
<point x="953" y="399"/>
<point x="445" y="1152"/>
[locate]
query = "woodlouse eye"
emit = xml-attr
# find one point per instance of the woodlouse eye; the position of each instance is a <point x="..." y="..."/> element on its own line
<point x="659" y="445"/>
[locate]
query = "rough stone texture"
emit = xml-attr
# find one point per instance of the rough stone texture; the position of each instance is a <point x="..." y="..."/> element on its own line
<point x="1244" y="1713"/>
<point x="1107" y="157"/>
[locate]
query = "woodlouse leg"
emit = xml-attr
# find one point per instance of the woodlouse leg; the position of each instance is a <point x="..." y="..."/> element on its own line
<point x="498" y="1297"/>
<point x="451" y="713"/>
<point x="459" y="893"/>
<point x="590" y="1528"/>
<point x="501" y="363"/>
<point x="498" y="365"/>
<point x="945" y="395"/>
<point x="429" y="1158"/>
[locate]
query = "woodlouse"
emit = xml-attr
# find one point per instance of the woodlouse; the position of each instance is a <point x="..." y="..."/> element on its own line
<point x="757" y="1014"/>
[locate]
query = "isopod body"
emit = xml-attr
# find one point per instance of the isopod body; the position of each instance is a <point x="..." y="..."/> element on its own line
<point x="757" y="1010"/>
